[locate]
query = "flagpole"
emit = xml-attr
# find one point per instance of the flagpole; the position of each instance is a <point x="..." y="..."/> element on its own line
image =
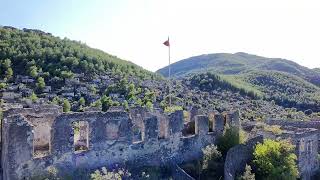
<point x="169" y="75"/>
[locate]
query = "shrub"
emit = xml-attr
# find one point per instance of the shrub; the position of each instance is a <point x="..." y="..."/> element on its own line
<point x="231" y="136"/>
<point x="275" y="160"/>
<point x="3" y="85"/>
<point x="275" y="129"/>
<point x="212" y="163"/>
<point x="33" y="97"/>
<point x="104" y="174"/>
<point x="170" y="109"/>
<point x="66" y="105"/>
<point x="247" y="174"/>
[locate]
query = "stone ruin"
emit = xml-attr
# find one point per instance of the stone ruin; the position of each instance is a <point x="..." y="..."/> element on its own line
<point x="304" y="135"/>
<point x="35" y="140"/>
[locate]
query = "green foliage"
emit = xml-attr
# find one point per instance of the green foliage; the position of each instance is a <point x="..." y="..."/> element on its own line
<point x="34" y="51"/>
<point x="3" y="85"/>
<point x="33" y="71"/>
<point x="33" y="97"/>
<point x="104" y="174"/>
<point x="106" y="103"/>
<point x="212" y="163"/>
<point x="9" y="73"/>
<point x="55" y="100"/>
<point x="40" y="83"/>
<point x="6" y="71"/>
<point x="66" y="74"/>
<point x="237" y="63"/>
<point x="275" y="160"/>
<point x="66" y="105"/>
<point x="97" y="104"/>
<point x="231" y="136"/>
<point x="275" y="129"/>
<point x="149" y="106"/>
<point x="285" y="89"/>
<point x="247" y="174"/>
<point x="209" y="82"/>
<point x="171" y="109"/>
<point x="82" y="101"/>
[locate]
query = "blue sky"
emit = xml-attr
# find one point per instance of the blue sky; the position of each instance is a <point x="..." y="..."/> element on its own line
<point x="135" y="29"/>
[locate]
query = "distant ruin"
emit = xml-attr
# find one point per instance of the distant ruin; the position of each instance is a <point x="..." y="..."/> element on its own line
<point x="39" y="138"/>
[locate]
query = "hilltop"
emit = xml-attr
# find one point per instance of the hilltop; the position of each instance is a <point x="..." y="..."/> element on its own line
<point x="225" y="63"/>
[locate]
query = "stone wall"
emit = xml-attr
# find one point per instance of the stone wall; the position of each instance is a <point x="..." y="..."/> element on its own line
<point x="298" y="124"/>
<point x="109" y="137"/>
<point x="237" y="158"/>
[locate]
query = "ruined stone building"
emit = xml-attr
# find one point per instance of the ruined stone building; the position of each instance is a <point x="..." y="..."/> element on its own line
<point x="37" y="139"/>
<point x="302" y="134"/>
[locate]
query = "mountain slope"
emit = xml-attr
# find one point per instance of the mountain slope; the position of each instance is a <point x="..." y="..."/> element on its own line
<point x="285" y="82"/>
<point x="36" y="66"/>
<point x="33" y="51"/>
<point x="225" y="63"/>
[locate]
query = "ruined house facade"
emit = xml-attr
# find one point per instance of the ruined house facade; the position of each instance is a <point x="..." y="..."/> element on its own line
<point x="37" y="139"/>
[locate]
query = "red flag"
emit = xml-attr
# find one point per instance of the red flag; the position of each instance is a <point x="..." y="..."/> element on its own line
<point x="167" y="43"/>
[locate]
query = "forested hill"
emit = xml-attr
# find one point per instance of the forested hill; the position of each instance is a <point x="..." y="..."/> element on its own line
<point x="29" y="52"/>
<point x="39" y="67"/>
<point x="237" y="63"/>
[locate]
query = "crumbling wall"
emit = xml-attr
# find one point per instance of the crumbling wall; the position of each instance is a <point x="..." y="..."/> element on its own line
<point x="237" y="158"/>
<point x="307" y="154"/>
<point x="109" y="139"/>
<point x="299" y="124"/>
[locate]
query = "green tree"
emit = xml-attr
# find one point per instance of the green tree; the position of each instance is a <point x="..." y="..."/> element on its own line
<point x="126" y="105"/>
<point x="82" y="101"/>
<point x="171" y="109"/>
<point x="149" y="106"/>
<point x="212" y="163"/>
<point x="40" y="83"/>
<point x="97" y="104"/>
<point x="33" y="71"/>
<point x="66" y="74"/>
<point x="66" y="105"/>
<point x="9" y="73"/>
<point x="231" y="136"/>
<point x="56" y="100"/>
<point x="33" y="97"/>
<point x="275" y="160"/>
<point x="106" y="102"/>
<point x="3" y="85"/>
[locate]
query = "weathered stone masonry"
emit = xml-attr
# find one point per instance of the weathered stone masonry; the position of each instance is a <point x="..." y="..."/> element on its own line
<point x="109" y="139"/>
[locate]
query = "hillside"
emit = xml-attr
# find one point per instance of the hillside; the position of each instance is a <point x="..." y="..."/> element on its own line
<point x="225" y="63"/>
<point x="30" y="52"/>
<point x="285" y="82"/>
<point x="38" y="67"/>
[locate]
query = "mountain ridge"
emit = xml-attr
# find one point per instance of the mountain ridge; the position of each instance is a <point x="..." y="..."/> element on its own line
<point x="227" y="63"/>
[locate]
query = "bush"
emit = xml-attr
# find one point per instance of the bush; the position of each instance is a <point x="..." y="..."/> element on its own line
<point x="247" y="174"/>
<point x="33" y="97"/>
<point x="275" y="160"/>
<point x="40" y="83"/>
<point x="3" y="85"/>
<point x="171" y="109"/>
<point x="104" y="174"/>
<point x="212" y="163"/>
<point x="275" y="129"/>
<point x="66" y="105"/>
<point x="231" y="136"/>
